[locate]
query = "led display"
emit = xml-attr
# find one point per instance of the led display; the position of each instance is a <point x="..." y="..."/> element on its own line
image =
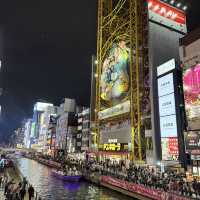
<point x="191" y="86"/>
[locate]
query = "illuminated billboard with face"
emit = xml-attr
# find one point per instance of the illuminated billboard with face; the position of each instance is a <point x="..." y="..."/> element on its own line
<point x="191" y="86"/>
<point x="114" y="81"/>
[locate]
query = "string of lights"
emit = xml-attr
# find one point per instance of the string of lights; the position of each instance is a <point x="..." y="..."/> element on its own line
<point x="180" y="4"/>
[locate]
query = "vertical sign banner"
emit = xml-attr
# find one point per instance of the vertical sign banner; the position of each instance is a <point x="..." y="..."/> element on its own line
<point x="167" y="111"/>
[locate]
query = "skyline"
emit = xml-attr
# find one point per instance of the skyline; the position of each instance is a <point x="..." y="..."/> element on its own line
<point x="45" y="54"/>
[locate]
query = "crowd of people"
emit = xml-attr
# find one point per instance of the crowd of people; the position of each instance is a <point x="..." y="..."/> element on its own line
<point x="16" y="191"/>
<point x="168" y="181"/>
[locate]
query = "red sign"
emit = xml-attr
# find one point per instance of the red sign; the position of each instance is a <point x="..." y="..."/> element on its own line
<point x="140" y="189"/>
<point x="173" y="146"/>
<point x="167" y="11"/>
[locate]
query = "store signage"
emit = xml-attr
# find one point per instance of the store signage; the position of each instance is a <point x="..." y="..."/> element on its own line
<point x="167" y="105"/>
<point x="192" y="139"/>
<point x="168" y="126"/>
<point x="167" y="15"/>
<point x="112" y="147"/>
<point x="115" y="110"/>
<point x="191" y="60"/>
<point x="165" y="85"/>
<point x="166" y="67"/>
<point x="195" y="157"/>
<point x="112" y="140"/>
<point x="40" y="106"/>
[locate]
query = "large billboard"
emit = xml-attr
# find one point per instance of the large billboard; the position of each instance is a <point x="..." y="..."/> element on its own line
<point x="115" y="81"/>
<point x="115" y="132"/>
<point x="191" y="86"/>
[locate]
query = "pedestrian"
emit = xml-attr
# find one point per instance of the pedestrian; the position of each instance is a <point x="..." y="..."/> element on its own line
<point x="1" y="181"/>
<point x="30" y="192"/>
<point x="24" y="183"/>
<point x="22" y="193"/>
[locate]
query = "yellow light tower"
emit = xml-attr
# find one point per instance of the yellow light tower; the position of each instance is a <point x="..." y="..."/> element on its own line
<point x="124" y="22"/>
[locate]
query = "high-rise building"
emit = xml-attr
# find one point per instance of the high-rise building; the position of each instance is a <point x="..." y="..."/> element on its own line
<point x="127" y="119"/>
<point x="83" y="131"/>
<point x="190" y="57"/>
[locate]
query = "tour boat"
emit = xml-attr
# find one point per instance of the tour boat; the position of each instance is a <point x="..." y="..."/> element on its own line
<point x="64" y="177"/>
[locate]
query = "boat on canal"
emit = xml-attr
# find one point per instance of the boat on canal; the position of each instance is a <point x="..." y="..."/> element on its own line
<point x="65" y="177"/>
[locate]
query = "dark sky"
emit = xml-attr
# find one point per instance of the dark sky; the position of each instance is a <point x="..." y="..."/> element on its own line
<point x="46" y="48"/>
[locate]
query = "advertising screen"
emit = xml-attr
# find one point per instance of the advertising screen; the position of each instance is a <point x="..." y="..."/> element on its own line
<point x="167" y="105"/>
<point x="115" y="74"/>
<point x="168" y="126"/>
<point x="191" y="86"/>
<point x="192" y="140"/>
<point x="166" y="67"/>
<point x="170" y="148"/>
<point x="165" y="85"/>
<point x="115" y="132"/>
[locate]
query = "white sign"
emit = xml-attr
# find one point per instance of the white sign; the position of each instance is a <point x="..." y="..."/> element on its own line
<point x="167" y="105"/>
<point x="165" y="85"/>
<point x="194" y="111"/>
<point x="166" y="67"/>
<point x="168" y="126"/>
<point x="40" y="106"/>
<point x="115" y="110"/>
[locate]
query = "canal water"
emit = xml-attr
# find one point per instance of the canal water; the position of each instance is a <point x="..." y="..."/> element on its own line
<point x="51" y="188"/>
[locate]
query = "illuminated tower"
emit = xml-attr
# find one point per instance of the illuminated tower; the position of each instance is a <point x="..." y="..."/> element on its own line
<point x="122" y="90"/>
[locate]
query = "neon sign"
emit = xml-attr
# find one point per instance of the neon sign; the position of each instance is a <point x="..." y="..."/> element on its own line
<point x="167" y="11"/>
<point x="112" y="147"/>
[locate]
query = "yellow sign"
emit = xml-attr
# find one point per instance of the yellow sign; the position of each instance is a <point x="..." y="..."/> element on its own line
<point x="112" y="147"/>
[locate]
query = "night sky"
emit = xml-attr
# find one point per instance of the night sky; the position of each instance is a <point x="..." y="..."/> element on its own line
<point x="46" y="49"/>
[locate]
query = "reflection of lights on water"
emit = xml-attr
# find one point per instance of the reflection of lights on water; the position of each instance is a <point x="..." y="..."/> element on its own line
<point x="72" y="186"/>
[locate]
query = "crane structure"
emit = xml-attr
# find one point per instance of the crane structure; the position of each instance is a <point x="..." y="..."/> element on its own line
<point x="125" y="20"/>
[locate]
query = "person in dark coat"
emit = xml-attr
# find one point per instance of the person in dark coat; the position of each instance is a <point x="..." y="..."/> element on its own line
<point x="30" y="192"/>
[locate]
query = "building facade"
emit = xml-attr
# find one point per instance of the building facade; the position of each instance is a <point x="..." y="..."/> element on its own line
<point x="190" y="57"/>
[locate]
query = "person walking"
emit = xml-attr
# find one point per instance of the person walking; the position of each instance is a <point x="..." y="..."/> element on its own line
<point x="30" y="192"/>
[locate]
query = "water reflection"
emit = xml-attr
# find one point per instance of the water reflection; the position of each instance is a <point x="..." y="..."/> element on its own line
<point x="52" y="188"/>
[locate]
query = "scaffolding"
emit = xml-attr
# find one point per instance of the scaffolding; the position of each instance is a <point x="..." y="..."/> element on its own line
<point x="125" y="19"/>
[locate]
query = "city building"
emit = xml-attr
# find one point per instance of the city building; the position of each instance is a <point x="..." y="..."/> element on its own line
<point x="51" y="135"/>
<point x="27" y="133"/>
<point x="190" y="57"/>
<point x="83" y="136"/>
<point x="128" y="125"/>
<point x="66" y="127"/>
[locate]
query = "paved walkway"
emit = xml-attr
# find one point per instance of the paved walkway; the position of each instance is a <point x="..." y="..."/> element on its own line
<point x="11" y="174"/>
<point x="1" y="194"/>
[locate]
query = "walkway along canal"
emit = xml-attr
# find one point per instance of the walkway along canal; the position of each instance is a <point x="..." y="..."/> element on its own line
<point x="51" y="188"/>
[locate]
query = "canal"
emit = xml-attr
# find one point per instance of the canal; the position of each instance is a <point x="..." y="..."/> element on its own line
<point x="51" y="188"/>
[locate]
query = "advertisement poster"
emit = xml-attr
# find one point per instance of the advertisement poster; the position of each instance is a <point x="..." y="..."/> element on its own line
<point x="115" y="74"/>
<point x="192" y="140"/>
<point x="165" y="85"/>
<point x="168" y="126"/>
<point x="167" y="105"/>
<point x="170" y="148"/>
<point x="191" y="86"/>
